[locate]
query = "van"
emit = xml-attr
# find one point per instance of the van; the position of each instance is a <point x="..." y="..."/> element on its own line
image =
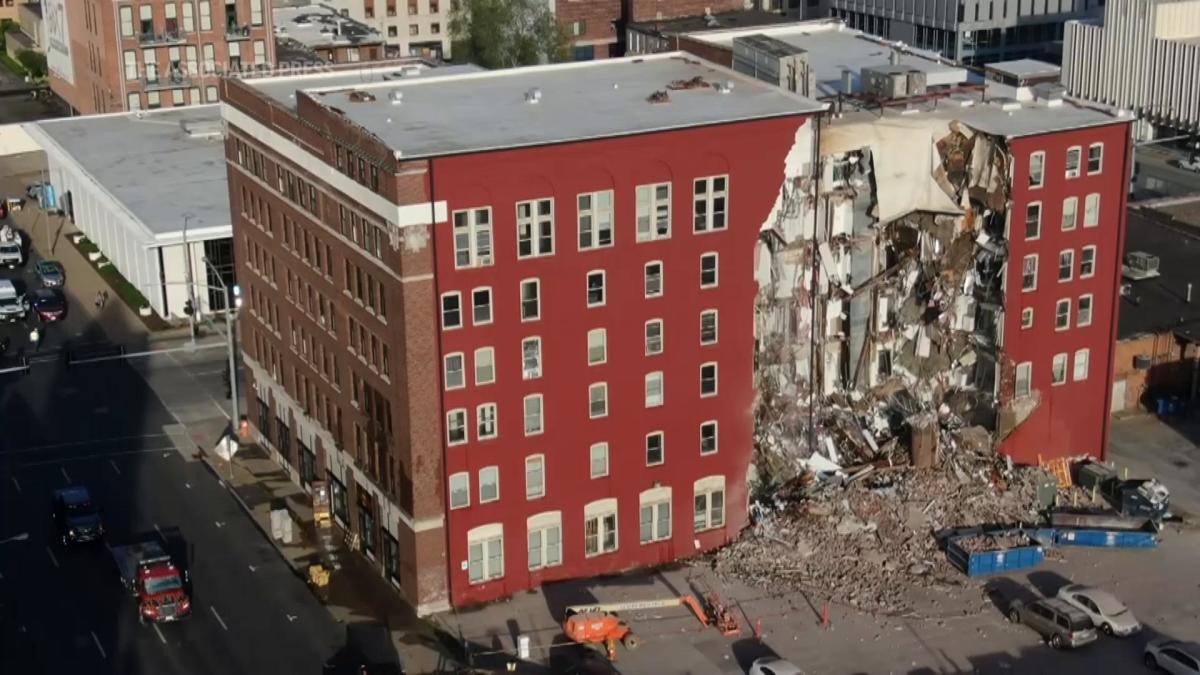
<point x="1057" y="621"/>
<point x="13" y="305"/>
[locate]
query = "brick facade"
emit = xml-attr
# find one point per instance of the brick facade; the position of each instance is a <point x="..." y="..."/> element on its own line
<point x="591" y="23"/>
<point x="651" y="10"/>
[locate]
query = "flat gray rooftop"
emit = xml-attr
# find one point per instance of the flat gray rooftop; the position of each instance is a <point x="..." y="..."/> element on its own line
<point x="151" y="165"/>
<point x="319" y="26"/>
<point x="832" y="48"/>
<point x="283" y="88"/>
<point x="578" y="101"/>
<point x="1024" y="68"/>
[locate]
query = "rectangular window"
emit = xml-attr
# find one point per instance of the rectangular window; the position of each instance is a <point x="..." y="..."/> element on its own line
<point x="708" y="379"/>
<point x="598" y="400"/>
<point x="1070" y="213"/>
<point x="1095" y="158"/>
<point x="708" y="438"/>
<point x="1029" y="270"/>
<point x="189" y="20"/>
<point x="1058" y="369"/>
<point x="1081" y="365"/>
<point x="1027" y="318"/>
<point x="535" y="477"/>
<point x="1037" y="169"/>
<point x="489" y="484"/>
<point x="210" y="94"/>
<point x="1024" y="379"/>
<point x="597" y="346"/>
<point x="599" y="460"/>
<point x="1062" y="314"/>
<point x="708" y="327"/>
<point x="655" y="448"/>
<point x="1091" y="210"/>
<point x="455" y="377"/>
<point x="460" y="490"/>
<point x="654" y="279"/>
<point x="595" y="289"/>
<point x="595" y="219"/>
<point x="531" y="300"/>
<point x="654" y="337"/>
<point x="485" y="421"/>
<point x="545" y="547"/>
<point x="653" y="211"/>
<point x="366" y="521"/>
<point x="260" y="53"/>
<point x="1033" y="220"/>
<point x="1074" y="156"/>
<point x="256" y="12"/>
<point x="600" y="533"/>
<point x="126" y="21"/>
<point x="1087" y="262"/>
<point x="456" y="426"/>
<point x="472" y="238"/>
<point x="481" y="301"/>
<point x="708" y="270"/>
<point x="535" y="228"/>
<point x="709" y="203"/>
<point x="1084" y="316"/>
<point x="655" y="522"/>
<point x="531" y="358"/>
<point x="131" y="67"/>
<point x="205" y="15"/>
<point x="485" y="365"/>
<point x="451" y="310"/>
<point x="533" y="414"/>
<point x="485" y="559"/>
<point x="654" y="389"/>
<point x="709" y="510"/>
<point x="1066" y="265"/>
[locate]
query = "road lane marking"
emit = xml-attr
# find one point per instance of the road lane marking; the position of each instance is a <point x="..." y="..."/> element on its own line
<point x="114" y="467"/>
<point x="52" y="558"/>
<point x="73" y="444"/>
<point x="16" y="484"/>
<point x="98" y="646"/>
<point x="66" y="475"/>
<point x="219" y="619"/>
<point x="64" y="460"/>
<point x="220" y="523"/>
<point x="252" y="568"/>
<point x="291" y="618"/>
<point x="187" y="485"/>
<point x="159" y="631"/>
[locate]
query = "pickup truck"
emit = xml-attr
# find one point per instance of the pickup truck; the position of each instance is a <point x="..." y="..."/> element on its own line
<point x="152" y="576"/>
<point x="12" y="247"/>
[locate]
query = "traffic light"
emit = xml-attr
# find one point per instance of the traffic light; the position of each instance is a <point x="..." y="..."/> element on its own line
<point x="188" y="309"/>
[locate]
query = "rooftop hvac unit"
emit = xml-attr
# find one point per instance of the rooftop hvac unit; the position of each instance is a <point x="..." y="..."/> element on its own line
<point x="1140" y="265"/>
<point x="891" y="82"/>
<point x="779" y="63"/>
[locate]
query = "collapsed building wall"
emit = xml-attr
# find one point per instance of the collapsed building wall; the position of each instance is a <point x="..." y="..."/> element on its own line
<point x="881" y="300"/>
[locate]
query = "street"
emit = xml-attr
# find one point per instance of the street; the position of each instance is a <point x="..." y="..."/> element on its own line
<point x="1157" y="175"/>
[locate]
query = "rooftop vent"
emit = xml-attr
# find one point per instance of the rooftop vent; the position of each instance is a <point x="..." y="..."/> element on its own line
<point x="359" y="96"/>
<point x="960" y="100"/>
<point x="725" y="87"/>
<point x="201" y="129"/>
<point x="1140" y="265"/>
<point x="396" y="96"/>
<point x="1007" y="104"/>
<point x="534" y="95"/>
<point x="1050" y="93"/>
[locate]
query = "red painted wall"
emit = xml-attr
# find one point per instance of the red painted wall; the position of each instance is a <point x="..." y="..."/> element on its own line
<point x="752" y="154"/>
<point x="1072" y="418"/>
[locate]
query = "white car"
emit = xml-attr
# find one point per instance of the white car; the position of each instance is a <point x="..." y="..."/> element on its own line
<point x="1189" y="164"/>
<point x="1173" y="656"/>
<point x="770" y="665"/>
<point x="1103" y="608"/>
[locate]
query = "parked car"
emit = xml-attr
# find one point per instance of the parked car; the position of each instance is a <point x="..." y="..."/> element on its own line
<point x="49" y="303"/>
<point x="771" y="665"/>
<point x="1189" y="164"/>
<point x="51" y="273"/>
<point x="76" y="516"/>
<point x="14" y="305"/>
<point x="1061" y="624"/>
<point x="1103" y="608"/>
<point x="1173" y="656"/>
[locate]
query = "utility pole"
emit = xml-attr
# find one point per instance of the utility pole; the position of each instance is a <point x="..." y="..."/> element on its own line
<point x="231" y="344"/>
<point x="191" y="287"/>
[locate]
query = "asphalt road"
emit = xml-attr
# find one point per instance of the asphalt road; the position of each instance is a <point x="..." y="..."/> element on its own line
<point x="1159" y="176"/>
<point x="63" y="610"/>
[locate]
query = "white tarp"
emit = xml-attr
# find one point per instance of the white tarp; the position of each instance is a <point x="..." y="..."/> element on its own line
<point x="58" y="39"/>
<point x="226" y="448"/>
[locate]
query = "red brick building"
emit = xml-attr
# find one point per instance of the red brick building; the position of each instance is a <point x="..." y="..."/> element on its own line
<point x="516" y="338"/>
<point x="114" y="55"/>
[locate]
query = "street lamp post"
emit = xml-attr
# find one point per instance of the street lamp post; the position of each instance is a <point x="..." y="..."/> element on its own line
<point x="191" y="287"/>
<point x="231" y="342"/>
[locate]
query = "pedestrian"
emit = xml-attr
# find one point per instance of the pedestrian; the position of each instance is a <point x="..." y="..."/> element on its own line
<point x="104" y="299"/>
<point x="34" y="337"/>
<point x="99" y="300"/>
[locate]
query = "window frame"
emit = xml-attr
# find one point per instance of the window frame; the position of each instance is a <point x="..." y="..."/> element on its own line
<point x="593" y="211"/>
<point x="603" y="276"/>
<point x="541" y="492"/>
<point x="708" y="197"/>
<point x="541" y="414"/>
<point x="716" y="437"/>
<point x="602" y="333"/>
<point x="542" y="524"/>
<point x="1079" y="313"/>
<point x="716" y="330"/>
<point x="457" y="296"/>
<point x="654" y="376"/>
<point x="526" y="373"/>
<point x="716" y="269"/>
<point x="466" y="435"/>
<point x="1059" y="360"/>
<point x="1078" y="171"/>
<point x="1099" y="160"/>
<point x="1030" y="208"/>
<point x="1062" y="321"/>
<point x="1026" y="318"/>
<point x="1086" y="361"/>
<point x="646" y="336"/>
<point x="715" y="379"/>
<point x="662" y="448"/>
<point x="534" y="222"/>
<point x="474" y="232"/>
<point x="655" y="500"/>
<point x="1092" y="198"/>
<point x="1033" y="287"/>
<point x="1041" y="173"/>
<point x="489" y="539"/>
<point x="592" y="460"/>
<point x="600" y="510"/>
<point x="490" y="352"/>
<point x="537" y="299"/>
<point x="650" y="211"/>
<point x="646" y="280"/>
<point x="479" y="421"/>
<point x="465" y="475"/>
<point x="495" y="471"/>
<point x="462" y="371"/>
<point x="1066" y="257"/>
<point x="491" y="310"/>
<point x="597" y="386"/>
<point x="1090" y="263"/>
<point x="1074" y="211"/>
<point x="1027" y="366"/>
<point x="705" y="488"/>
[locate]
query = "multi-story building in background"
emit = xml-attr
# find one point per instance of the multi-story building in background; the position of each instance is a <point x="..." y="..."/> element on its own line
<point x="508" y="316"/>
<point x="312" y="33"/>
<point x="114" y="55"/>
<point x="409" y="27"/>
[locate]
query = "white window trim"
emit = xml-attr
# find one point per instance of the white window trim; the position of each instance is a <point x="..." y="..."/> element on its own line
<point x="603" y="335"/>
<point x="662" y="391"/>
<point x="466" y="475"/>
<point x="716" y="379"/>
<point x="1074" y="201"/>
<point x="599" y="509"/>
<point x="541" y="414"/>
<point x="482" y="535"/>
<point x="473" y="229"/>
<point x="1088" y="159"/>
<point x="446" y="370"/>
<point x="479" y="421"/>
<point x="662" y="286"/>
<point x="442" y="309"/>
<point x="1087" y="365"/>
<point x="466" y="426"/>
<point x="612" y="218"/>
<point x="1079" y="323"/>
<point x="1042" y="178"/>
<point x="662" y="447"/>
<point x="537" y="285"/>
<point x="716" y="269"/>
<point x="496" y="470"/>
<point x="603" y="288"/>
<point x="1028" y="368"/>
<point x="652" y="212"/>
<point x="542" y="492"/>
<point x="593" y="386"/>
<point x="707" y="486"/>
<point x="716" y="326"/>
<point x="534" y="221"/>
<point x="709" y="197"/>
<point x="1041" y="211"/>
<point x="1027" y="324"/>
<point x="1067" y="324"/>
<point x="1066" y="363"/>
<point x="653" y="498"/>
<point x="1079" y="167"/>
<point x="591" y="450"/>
<point x="491" y="351"/>
<point x="1081" y="257"/>
<point x="662" y="345"/>
<point x="540" y="523"/>
<point x="1036" y="271"/>
<point x="716" y="437"/>
<point x="1070" y="267"/>
<point x="525" y="375"/>
<point x="491" y="306"/>
<point x="1089" y="197"/>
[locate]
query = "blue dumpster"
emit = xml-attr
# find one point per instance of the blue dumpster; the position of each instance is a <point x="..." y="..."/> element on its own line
<point x="999" y="561"/>
<point x="1106" y="538"/>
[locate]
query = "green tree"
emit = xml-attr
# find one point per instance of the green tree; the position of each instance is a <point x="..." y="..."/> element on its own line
<point x="34" y="63"/>
<point x="507" y="33"/>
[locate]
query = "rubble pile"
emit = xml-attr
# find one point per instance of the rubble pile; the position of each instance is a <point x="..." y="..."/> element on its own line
<point x="865" y="542"/>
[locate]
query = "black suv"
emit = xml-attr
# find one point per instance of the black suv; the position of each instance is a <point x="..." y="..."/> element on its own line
<point x="76" y="517"/>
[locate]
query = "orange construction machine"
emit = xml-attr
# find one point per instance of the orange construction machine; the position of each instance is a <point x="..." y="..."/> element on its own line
<point x="600" y="625"/>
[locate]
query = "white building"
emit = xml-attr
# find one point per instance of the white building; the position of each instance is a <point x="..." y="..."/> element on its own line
<point x="409" y="27"/>
<point x="138" y="185"/>
<point x="1144" y="57"/>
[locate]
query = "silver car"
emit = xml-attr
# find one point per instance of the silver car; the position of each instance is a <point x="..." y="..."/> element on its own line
<point x="1059" y="623"/>
<point x="1103" y="608"/>
<point x="1173" y="656"/>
